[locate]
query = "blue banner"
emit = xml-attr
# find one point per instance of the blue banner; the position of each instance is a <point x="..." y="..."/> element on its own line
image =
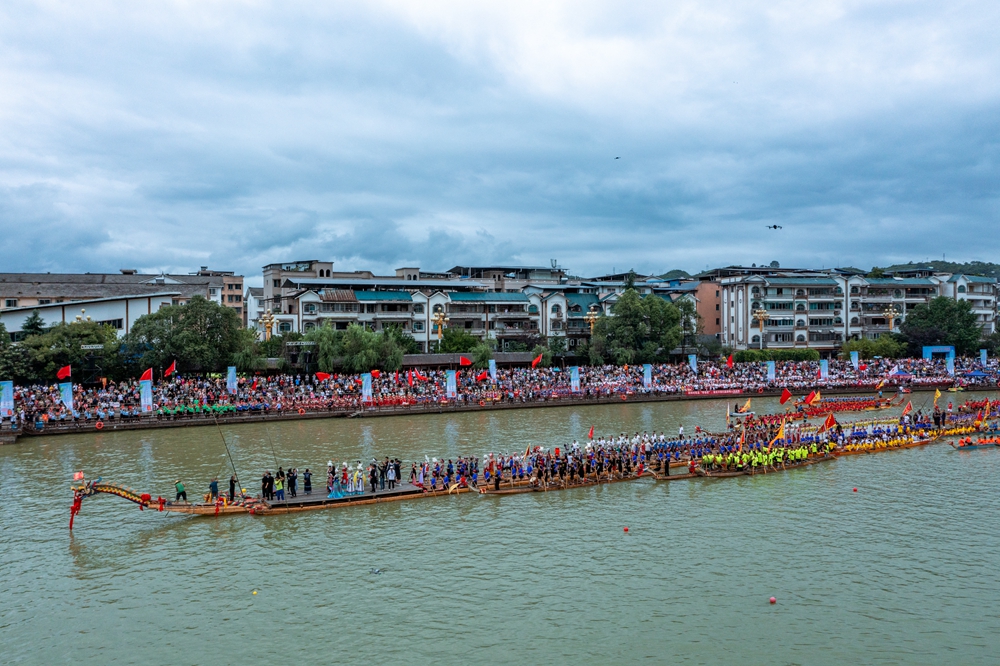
<point x="451" y="390"/>
<point x="146" y="396"/>
<point x="366" y="387"/>
<point x="66" y="393"/>
<point x="951" y="365"/>
<point x="574" y="379"/>
<point x="855" y="360"/>
<point x="493" y="370"/>
<point x="824" y="369"/>
<point x="770" y="371"/>
<point x="982" y="357"/>
<point x="231" y="379"/>
<point x="6" y="398"/>
<point x="693" y="362"/>
<point x="647" y="376"/>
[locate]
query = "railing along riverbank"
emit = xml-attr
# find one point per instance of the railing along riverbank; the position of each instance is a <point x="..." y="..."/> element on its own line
<point x="451" y="406"/>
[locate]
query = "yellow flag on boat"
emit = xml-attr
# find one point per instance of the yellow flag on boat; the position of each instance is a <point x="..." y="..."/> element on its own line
<point x="816" y="399"/>
<point x="727" y="413"/>
<point x="937" y="394"/>
<point x="745" y="408"/>
<point x="881" y="383"/>
<point x="780" y="435"/>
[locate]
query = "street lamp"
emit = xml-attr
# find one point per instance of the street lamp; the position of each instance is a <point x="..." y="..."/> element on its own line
<point x="80" y="318"/>
<point x="267" y="321"/>
<point x="760" y="315"/>
<point x="591" y="318"/>
<point x="890" y="313"/>
<point x="440" y="319"/>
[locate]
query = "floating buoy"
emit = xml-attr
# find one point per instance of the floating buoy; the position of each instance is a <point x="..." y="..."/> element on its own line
<point x="855" y="490"/>
<point x="255" y="591"/>
<point x="626" y="529"/>
<point x="773" y="600"/>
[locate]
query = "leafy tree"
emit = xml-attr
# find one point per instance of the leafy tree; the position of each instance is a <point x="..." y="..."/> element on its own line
<point x="33" y="325"/>
<point x="248" y="356"/>
<point x="887" y="346"/>
<point x="201" y="336"/>
<point x="876" y="272"/>
<point x="545" y="353"/>
<point x="457" y="341"/>
<point x="358" y="349"/>
<point x="942" y="321"/>
<point x="481" y="355"/>
<point x="691" y="323"/>
<point x="557" y="345"/>
<point x="15" y="363"/>
<point x="642" y="330"/>
<point x="759" y="355"/>
<point x="60" y="346"/>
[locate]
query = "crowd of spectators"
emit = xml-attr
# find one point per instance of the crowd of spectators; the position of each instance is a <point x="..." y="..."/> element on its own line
<point x="201" y="397"/>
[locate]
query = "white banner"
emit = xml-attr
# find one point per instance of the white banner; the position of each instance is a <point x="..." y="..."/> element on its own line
<point x="366" y="387"/>
<point x="231" y="379"/>
<point x="66" y="393"/>
<point x="6" y="398"/>
<point x="574" y="379"/>
<point x="647" y="376"/>
<point x="146" y="396"/>
<point x="452" y="390"/>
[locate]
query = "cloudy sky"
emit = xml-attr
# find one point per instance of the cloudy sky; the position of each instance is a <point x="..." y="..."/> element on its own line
<point x="439" y="132"/>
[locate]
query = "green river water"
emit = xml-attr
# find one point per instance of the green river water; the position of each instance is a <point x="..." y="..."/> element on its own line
<point x="903" y="571"/>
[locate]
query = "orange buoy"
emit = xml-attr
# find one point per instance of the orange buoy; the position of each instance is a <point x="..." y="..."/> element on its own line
<point x="301" y="411"/>
<point x="99" y="425"/>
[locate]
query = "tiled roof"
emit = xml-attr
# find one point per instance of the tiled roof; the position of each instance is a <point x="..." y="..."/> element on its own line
<point x="489" y="297"/>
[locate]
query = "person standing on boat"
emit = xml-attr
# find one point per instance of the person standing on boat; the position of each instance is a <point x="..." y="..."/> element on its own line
<point x="373" y="477"/>
<point x="391" y="476"/>
<point x="279" y="487"/>
<point x="293" y="477"/>
<point x="181" y="493"/>
<point x="232" y="488"/>
<point x="307" y="486"/>
<point x="213" y="489"/>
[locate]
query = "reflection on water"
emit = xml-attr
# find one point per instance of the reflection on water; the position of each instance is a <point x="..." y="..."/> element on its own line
<point x="903" y="571"/>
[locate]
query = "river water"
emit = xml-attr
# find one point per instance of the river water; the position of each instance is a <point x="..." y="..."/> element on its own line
<point x="905" y="570"/>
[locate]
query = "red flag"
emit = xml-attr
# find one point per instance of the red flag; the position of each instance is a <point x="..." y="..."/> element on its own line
<point x="590" y="435"/>
<point x="908" y="408"/>
<point x="409" y="377"/>
<point x="396" y="378"/>
<point x="863" y="366"/>
<point x="171" y="370"/>
<point x="322" y="376"/>
<point x="464" y="361"/>
<point x="729" y="361"/>
<point x="64" y="372"/>
<point x="979" y="416"/>
<point x="376" y="374"/>
<point x="829" y="422"/>
<point x="786" y="395"/>
<point x="538" y="359"/>
<point x="147" y="376"/>
<point x="819" y="373"/>
<point x="254" y="387"/>
<point x="809" y="398"/>
<point x="482" y="375"/>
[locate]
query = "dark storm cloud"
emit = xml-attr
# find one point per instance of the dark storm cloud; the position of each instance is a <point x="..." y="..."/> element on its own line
<point x="442" y="133"/>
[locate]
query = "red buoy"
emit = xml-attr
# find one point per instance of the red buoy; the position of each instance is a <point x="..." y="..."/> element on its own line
<point x="855" y="490"/>
<point x="773" y="600"/>
<point x="626" y="529"/>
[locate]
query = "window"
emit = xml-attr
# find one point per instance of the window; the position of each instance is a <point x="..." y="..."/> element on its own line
<point x="556" y="309"/>
<point x="961" y="289"/>
<point x="716" y="307"/>
<point x="10" y="303"/>
<point x="309" y="326"/>
<point x="855" y="290"/>
<point x="556" y="325"/>
<point x="277" y="283"/>
<point x="418" y="308"/>
<point x="238" y="298"/>
<point x="800" y="338"/>
<point x="338" y="307"/>
<point x="755" y="339"/>
<point x="213" y="291"/>
<point x="439" y="308"/>
<point x="716" y="321"/>
<point x="239" y="310"/>
<point x="821" y="322"/>
<point x="801" y="292"/>
<point x="418" y="326"/>
<point x="44" y="301"/>
<point x="854" y="321"/>
<point x="113" y="323"/>
<point x="897" y="293"/>
<point x="309" y="308"/>
<point x="370" y="307"/>
<point x="285" y="327"/>
<point x="754" y="291"/>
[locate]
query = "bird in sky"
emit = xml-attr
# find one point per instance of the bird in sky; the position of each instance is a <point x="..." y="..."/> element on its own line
<point x="773" y="226"/>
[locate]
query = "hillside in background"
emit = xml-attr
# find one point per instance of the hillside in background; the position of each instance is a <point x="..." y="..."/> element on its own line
<point x="969" y="268"/>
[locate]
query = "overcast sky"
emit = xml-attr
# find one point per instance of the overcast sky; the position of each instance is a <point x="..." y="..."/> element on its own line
<point x="436" y="132"/>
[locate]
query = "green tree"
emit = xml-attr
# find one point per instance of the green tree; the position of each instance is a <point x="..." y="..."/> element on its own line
<point x="15" y="363"/>
<point x="557" y="345"/>
<point x="942" y="321"/>
<point x="545" y="353"/>
<point x="358" y="349"/>
<point x="61" y="346"/>
<point x="457" y="341"/>
<point x="481" y="355"/>
<point x="642" y="330"/>
<point x="691" y="324"/>
<point x="886" y="346"/>
<point x="248" y="356"/>
<point x="876" y="272"/>
<point x="33" y="325"/>
<point x="202" y="336"/>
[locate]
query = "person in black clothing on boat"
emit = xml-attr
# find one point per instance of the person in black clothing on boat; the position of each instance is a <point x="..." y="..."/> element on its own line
<point x="232" y="487"/>
<point x="307" y="485"/>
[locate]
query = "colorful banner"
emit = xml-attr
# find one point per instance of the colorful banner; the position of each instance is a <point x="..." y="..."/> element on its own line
<point x="366" y="387"/>
<point x="146" y="396"/>
<point x="647" y="376"/>
<point x="574" y="379"/>
<point x="982" y="357"/>
<point x="6" y="398"/>
<point x="770" y="371"/>
<point x="824" y="369"/>
<point x="66" y="393"/>
<point x="231" y="379"/>
<point x="451" y="390"/>
<point x="951" y="365"/>
<point x="493" y="370"/>
<point x="855" y="360"/>
<point x="714" y="392"/>
<point x="693" y="362"/>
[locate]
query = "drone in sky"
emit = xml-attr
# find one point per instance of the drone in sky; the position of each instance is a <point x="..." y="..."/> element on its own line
<point x="773" y="226"/>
